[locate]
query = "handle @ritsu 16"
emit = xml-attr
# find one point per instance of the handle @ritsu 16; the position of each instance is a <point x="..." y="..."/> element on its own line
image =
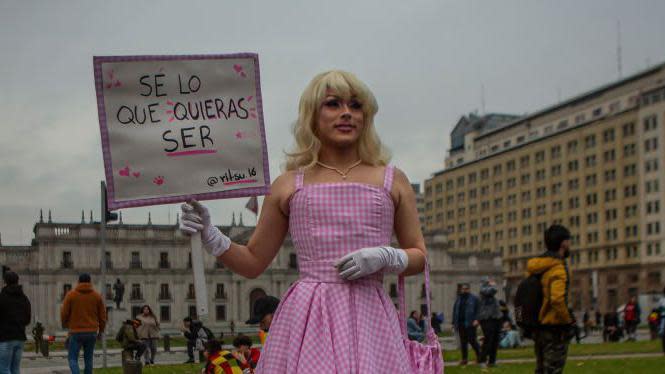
<point x="199" y="277"/>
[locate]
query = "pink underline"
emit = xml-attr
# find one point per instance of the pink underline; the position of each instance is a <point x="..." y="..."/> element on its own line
<point x="240" y="182"/>
<point x="188" y="153"/>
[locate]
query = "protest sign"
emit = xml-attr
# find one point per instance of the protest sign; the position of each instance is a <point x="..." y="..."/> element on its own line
<point x="180" y="127"/>
<point x="176" y="128"/>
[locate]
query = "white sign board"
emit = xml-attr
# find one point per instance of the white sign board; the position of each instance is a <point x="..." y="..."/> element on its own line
<point x="180" y="127"/>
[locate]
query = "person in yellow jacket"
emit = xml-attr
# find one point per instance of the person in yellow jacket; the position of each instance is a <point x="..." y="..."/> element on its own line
<point x="556" y="321"/>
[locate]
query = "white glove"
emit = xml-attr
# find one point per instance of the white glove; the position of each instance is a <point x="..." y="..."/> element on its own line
<point x="368" y="261"/>
<point x="196" y="218"/>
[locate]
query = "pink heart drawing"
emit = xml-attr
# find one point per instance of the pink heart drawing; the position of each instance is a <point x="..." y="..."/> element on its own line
<point x="159" y="180"/>
<point x="237" y="68"/>
<point x="125" y="171"/>
<point x="136" y="174"/>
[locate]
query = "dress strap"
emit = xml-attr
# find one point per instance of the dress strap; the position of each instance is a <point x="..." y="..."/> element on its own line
<point x="388" y="178"/>
<point x="300" y="176"/>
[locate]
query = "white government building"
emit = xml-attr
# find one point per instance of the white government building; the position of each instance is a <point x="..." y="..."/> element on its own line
<point x="153" y="262"/>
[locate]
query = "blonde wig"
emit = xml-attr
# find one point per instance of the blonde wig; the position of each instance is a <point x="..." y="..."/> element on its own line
<point x="345" y="85"/>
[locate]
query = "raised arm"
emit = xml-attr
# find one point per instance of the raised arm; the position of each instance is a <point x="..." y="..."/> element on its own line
<point x="252" y="259"/>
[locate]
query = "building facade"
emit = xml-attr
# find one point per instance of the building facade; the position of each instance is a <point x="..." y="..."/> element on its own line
<point x="593" y="163"/>
<point x="154" y="264"/>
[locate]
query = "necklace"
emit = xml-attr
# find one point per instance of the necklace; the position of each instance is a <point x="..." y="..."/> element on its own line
<point x="342" y="173"/>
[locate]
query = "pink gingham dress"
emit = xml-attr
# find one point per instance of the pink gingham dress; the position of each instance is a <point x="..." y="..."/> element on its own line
<point x="325" y="324"/>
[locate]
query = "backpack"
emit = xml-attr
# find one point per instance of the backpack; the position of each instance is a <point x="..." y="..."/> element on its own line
<point x="528" y="302"/>
<point x="208" y="332"/>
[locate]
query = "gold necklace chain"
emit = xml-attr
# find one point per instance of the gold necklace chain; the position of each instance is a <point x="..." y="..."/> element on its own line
<point x="342" y="173"/>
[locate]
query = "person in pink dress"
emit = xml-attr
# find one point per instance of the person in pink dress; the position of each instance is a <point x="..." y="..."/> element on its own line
<point x="341" y="202"/>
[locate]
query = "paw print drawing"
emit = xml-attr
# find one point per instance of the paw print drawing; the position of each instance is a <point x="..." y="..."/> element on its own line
<point x="159" y="180"/>
<point x="113" y="82"/>
<point x="239" y="70"/>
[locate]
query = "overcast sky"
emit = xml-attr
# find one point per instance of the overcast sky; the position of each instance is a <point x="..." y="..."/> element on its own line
<point x="426" y="62"/>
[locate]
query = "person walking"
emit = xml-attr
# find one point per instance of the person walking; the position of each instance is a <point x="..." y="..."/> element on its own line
<point x="661" y="326"/>
<point x="465" y="322"/>
<point x="631" y="318"/>
<point x="489" y="316"/>
<point x="552" y="337"/>
<point x="83" y="313"/>
<point x="148" y="332"/>
<point x="341" y="202"/>
<point x="14" y="317"/>
<point x="38" y="335"/>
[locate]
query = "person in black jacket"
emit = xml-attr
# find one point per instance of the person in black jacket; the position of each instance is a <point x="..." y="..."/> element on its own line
<point x="14" y="317"/>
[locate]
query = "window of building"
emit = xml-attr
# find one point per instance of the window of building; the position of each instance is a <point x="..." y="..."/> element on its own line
<point x="67" y="262"/>
<point x="164" y="260"/>
<point x="628" y="129"/>
<point x="579" y="118"/>
<point x="164" y="292"/>
<point x="192" y="312"/>
<point x="484" y="174"/>
<point x="573" y="184"/>
<point x="610" y="195"/>
<point x="540" y="156"/>
<point x="629" y="150"/>
<point x="591" y="199"/>
<point x="573" y="203"/>
<point x="572" y="146"/>
<point x="165" y="313"/>
<point x="650" y="123"/>
<point x="651" y="145"/>
<point x="589" y="141"/>
<point x="524" y="161"/>
<point x="573" y="165"/>
<point x="608" y="136"/>
<point x="610" y="215"/>
<point x="629" y="170"/>
<point x="590" y="180"/>
<point x="510" y="165"/>
<point x="590" y="161"/>
<point x="136" y="310"/>
<point x="610" y="175"/>
<point x="651" y="165"/>
<point x="631" y="251"/>
<point x="653" y="228"/>
<point x="630" y="190"/>
<point x="609" y="156"/>
<point x="220" y="312"/>
<point x="136" y="293"/>
<point x="135" y="262"/>
<point x="597" y="112"/>
<point x="556" y="170"/>
<point x="651" y="186"/>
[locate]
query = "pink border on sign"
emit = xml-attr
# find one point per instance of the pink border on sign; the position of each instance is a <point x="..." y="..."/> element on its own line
<point x="97" y="62"/>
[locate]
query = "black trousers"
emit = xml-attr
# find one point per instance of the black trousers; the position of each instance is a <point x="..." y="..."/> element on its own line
<point x="190" y="349"/>
<point x="491" y="329"/>
<point x="467" y="335"/>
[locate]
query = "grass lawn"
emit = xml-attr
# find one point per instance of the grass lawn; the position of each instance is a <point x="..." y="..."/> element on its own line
<point x="574" y="350"/>
<point x="626" y="366"/>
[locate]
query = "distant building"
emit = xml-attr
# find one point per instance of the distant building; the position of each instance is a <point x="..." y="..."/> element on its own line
<point x="593" y="163"/>
<point x="154" y="263"/>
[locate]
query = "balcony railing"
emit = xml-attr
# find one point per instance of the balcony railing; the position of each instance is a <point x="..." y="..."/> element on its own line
<point x="109" y="264"/>
<point x="135" y="265"/>
<point x="136" y="296"/>
<point x="67" y="264"/>
<point x="164" y="264"/>
<point x="164" y="296"/>
<point x="191" y="295"/>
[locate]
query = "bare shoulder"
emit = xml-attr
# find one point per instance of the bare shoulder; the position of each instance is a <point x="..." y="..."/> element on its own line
<point x="401" y="189"/>
<point x="282" y="189"/>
